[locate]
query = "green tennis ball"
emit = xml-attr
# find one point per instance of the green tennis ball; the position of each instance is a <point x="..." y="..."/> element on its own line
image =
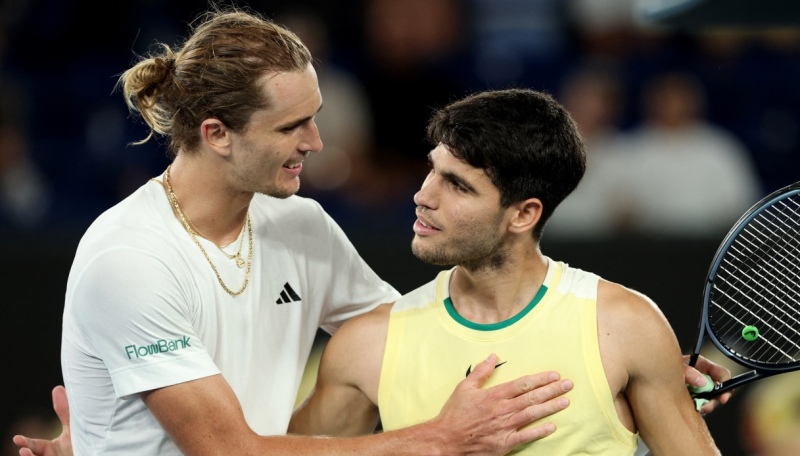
<point x="750" y="333"/>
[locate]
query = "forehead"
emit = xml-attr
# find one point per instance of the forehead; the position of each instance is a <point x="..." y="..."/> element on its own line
<point x="291" y="94"/>
<point x="442" y="159"/>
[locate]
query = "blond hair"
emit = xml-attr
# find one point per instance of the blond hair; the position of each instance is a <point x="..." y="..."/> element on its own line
<point x="214" y="74"/>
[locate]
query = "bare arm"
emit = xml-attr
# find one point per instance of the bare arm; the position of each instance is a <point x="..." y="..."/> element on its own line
<point x="204" y="418"/>
<point x="344" y="399"/>
<point x="645" y="344"/>
<point x="62" y="446"/>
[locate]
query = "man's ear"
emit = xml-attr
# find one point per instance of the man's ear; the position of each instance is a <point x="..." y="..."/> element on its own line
<point x="526" y="214"/>
<point x="216" y="135"/>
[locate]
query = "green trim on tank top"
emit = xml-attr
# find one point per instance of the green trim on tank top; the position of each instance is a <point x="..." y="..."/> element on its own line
<point x="448" y="304"/>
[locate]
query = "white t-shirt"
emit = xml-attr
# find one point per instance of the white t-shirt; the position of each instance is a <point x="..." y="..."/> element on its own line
<point x="144" y="310"/>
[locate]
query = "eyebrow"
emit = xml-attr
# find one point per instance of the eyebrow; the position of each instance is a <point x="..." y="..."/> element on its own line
<point x="296" y="122"/>
<point x="453" y="177"/>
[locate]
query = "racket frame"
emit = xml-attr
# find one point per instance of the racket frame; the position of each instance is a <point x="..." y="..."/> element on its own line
<point x="704" y="331"/>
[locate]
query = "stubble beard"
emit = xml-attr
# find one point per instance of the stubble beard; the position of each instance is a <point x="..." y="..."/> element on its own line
<point x="280" y="192"/>
<point x="476" y="253"/>
<point x="277" y="191"/>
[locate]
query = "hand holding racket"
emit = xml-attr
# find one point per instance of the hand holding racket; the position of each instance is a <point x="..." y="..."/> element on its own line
<point x="751" y="300"/>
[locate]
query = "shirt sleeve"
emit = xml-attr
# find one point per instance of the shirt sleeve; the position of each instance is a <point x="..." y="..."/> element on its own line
<point x="133" y="312"/>
<point x="354" y="287"/>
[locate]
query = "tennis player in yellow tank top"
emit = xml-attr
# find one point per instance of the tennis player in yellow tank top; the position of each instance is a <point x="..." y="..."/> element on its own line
<point x="503" y="160"/>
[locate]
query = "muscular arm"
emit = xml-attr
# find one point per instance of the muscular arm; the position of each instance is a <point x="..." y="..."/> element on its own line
<point x="204" y="418"/>
<point x="344" y="399"/>
<point x="637" y="338"/>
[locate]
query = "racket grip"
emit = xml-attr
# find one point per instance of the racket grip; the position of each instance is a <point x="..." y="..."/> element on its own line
<point x="695" y="390"/>
<point x="702" y="389"/>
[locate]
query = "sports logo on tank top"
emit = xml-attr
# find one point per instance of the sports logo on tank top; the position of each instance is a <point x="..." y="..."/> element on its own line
<point x="469" y="369"/>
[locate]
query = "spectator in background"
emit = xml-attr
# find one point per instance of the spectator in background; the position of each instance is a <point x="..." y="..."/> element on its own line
<point x="345" y="122"/>
<point x="24" y="189"/>
<point x="752" y="78"/>
<point x="607" y="28"/>
<point x="595" y="98"/>
<point x="686" y="177"/>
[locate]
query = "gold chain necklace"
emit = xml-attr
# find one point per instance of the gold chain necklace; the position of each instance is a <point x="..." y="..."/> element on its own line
<point x="188" y="226"/>
<point x="236" y="256"/>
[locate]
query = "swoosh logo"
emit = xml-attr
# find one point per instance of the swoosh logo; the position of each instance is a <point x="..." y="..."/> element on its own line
<point x="469" y="369"/>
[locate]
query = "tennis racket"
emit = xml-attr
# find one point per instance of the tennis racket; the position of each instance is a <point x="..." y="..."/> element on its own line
<point x="751" y="300"/>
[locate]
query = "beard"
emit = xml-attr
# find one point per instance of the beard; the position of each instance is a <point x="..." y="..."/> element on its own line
<point x="474" y="251"/>
<point x="280" y="192"/>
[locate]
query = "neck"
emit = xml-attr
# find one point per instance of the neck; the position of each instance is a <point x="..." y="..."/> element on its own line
<point x="492" y="296"/>
<point x="215" y="209"/>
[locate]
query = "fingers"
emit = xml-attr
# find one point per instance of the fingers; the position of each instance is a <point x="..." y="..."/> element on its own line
<point x="694" y="377"/>
<point x="725" y="397"/>
<point x="716" y="402"/>
<point x="540" y="402"/>
<point x="718" y="372"/>
<point x="481" y="373"/>
<point x="529" y="383"/>
<point x="28" y="447"/>
<point x="530" y="434"/>
<point x="60" y="405"/>
<point x="491" y="419"/>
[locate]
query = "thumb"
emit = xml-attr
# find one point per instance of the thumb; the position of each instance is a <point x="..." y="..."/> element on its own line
<point x="694" y="377"/>
<point x="481" y="373"/>
<point x="61" y="405"/>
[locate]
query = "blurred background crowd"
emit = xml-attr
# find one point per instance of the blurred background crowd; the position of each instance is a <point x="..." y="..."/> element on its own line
<point x="701" y="122"/>
<point x="686" y="127"/>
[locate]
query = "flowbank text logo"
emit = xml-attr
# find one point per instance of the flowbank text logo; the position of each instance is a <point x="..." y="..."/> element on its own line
<point x="159" y="346"/>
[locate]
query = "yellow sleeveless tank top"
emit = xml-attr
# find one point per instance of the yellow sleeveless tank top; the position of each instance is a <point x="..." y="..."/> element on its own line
<point x="430" y="348"/>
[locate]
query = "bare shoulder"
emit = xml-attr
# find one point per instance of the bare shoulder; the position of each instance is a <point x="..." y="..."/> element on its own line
<point x="633" y="329"/>
<point x="622" y="308"/>
<point x="370" y="325"/>
<point x="354" y="353"/>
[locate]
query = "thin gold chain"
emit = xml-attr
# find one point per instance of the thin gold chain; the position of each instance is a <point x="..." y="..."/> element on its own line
<point x="188" y="226"/>
<point x="236" y="256"/>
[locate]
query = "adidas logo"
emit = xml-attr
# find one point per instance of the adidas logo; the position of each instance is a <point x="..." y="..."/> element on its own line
<point x="288" y="295"/>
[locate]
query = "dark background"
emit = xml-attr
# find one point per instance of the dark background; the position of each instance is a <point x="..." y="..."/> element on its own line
<point x="59" y="60"/>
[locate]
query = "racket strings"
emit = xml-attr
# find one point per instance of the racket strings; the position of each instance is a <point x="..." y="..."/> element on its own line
<point x="757" y="286"/>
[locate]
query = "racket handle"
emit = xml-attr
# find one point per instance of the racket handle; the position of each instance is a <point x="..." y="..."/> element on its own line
<point x="699" y="402"/>
<point x="719" y="388"/>
<point x="709" y="386"/>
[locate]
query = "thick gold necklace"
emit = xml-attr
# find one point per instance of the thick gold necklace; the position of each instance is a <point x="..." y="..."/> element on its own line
<point x="188" y="225"/>
<point x="236" y="256"/>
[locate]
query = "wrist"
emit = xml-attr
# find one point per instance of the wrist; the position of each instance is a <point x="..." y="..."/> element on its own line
<point x="434" y="439"/>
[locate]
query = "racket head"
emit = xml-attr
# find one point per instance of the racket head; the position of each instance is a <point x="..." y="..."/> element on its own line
<point x="751" y="299"/>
